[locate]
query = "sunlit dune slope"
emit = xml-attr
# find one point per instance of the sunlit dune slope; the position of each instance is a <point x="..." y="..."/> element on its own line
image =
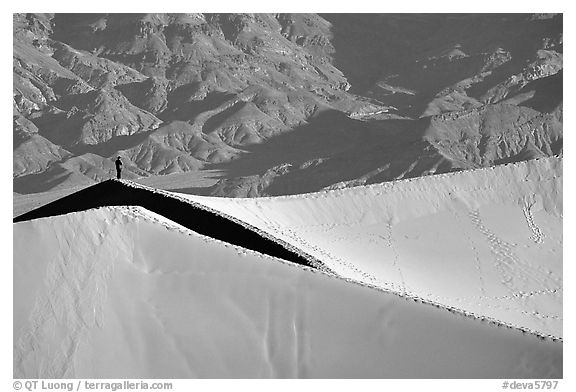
<point x="487" y="241"/>
<point x="120" y="292"/>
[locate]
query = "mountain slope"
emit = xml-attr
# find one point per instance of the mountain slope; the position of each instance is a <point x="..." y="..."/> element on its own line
<point x="174" y="93"/>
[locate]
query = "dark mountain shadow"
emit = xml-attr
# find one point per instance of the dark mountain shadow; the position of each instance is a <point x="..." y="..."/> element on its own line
<point x="368" y="44"/>
<point x="497" y="76"/>
<point x="522" y="38"/>
<point x="558" y="147"/>
<point x="41" y="182"/>
<point x="58" y="128"/>
<point x="70" y="29"/>
<point x="79" y="100"/>
<point x="77" y="30"/>
<point x="215" y="121"/>
<point x="369" y="47"/>
<point x="18" y="138"/>
<point x="200" y="191"/>
<point x="398" y="151"/>
<point x="111" y="146"/>
<point x="181" y="107"/>
<point x="325" y="134"/>
<point x="548" y="93"/>
<point x="330" y="148"/>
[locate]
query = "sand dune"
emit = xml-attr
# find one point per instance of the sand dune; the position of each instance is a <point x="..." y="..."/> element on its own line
<point x="487" y="241"/>
<point x="122" y="292"/>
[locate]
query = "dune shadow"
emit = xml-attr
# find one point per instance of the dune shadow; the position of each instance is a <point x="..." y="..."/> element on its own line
<point x="191" y="215"/>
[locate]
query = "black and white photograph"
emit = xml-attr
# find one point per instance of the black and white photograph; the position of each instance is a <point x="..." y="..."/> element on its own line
<point x="340" y="195"/>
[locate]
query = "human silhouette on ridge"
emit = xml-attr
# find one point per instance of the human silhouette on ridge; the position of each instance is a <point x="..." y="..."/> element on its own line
<point x="118" y="168"/>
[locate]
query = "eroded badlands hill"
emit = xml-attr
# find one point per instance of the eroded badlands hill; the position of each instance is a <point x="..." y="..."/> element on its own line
<point x="281" y="103"/>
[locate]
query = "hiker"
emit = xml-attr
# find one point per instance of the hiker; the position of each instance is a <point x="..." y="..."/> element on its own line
<point x="118" y="168"/>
